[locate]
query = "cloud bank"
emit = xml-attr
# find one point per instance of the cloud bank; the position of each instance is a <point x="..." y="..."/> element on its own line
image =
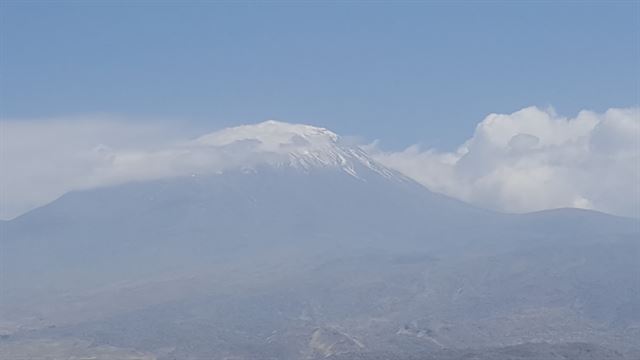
<point x="534" y="159"/>
<point x="41" y="160"/>
<point x="530" y="160"/>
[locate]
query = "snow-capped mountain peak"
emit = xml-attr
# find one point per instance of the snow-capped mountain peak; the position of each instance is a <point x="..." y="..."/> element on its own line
<point x="273" y="135"/>
<point x="294" y="145"/>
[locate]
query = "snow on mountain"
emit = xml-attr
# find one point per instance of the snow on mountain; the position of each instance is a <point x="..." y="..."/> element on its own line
<point x="249" y="148"/>
<point x="273" y="135"/>
<point x="295" y="145"/>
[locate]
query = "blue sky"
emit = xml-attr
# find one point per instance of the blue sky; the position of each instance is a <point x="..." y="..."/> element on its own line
<point x="405" y="73"/>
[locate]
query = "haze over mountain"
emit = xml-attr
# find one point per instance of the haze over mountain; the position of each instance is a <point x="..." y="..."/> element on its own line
<point x="530" y="160"/>
<point x="294" y="244"/>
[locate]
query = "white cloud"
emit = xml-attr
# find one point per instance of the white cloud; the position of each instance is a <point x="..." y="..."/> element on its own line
<point x="529" y="160"/>
<point x="534" y="159"/>
<point x="42" y="159"/>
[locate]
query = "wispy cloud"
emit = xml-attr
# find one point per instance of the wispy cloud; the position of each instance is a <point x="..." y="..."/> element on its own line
<point x="42" y="159"/>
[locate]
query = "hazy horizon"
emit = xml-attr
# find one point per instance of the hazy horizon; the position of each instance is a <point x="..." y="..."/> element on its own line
<point x="344" y="180"/>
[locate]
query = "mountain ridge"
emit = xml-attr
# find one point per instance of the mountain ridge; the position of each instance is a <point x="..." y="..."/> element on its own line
<point x="299" y="261"/>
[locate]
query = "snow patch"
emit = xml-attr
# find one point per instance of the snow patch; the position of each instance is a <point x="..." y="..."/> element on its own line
<point x="297" y="146"/>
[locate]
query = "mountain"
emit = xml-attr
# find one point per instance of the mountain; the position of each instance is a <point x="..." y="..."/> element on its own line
<point x="295" y="244"/>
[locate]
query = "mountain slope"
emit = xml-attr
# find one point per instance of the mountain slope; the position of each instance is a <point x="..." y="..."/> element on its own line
<point x="300" y="246"/>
